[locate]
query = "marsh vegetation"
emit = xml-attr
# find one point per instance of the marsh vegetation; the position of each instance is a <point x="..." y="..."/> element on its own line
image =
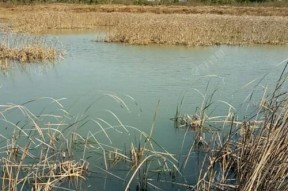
<point x="55" y="149"/>
<point x="25" y="48"/>
<point x="210" y="26"/>
<point x="49" y="152"/>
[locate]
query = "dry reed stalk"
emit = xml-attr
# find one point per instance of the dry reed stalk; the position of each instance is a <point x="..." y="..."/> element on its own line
<point x="37" y="156"/>
<point x="136" y="155"/>
<point x="253" y="158"/>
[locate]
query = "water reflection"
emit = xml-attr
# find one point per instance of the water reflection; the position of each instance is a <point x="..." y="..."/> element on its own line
<point x="41" y="69"/>
<point x="4" y="64"/>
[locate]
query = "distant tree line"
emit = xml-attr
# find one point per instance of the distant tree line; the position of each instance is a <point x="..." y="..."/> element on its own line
<point x="139" y="1"/>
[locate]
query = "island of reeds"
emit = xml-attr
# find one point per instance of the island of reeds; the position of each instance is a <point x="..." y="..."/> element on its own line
<point x="154" y="24"/>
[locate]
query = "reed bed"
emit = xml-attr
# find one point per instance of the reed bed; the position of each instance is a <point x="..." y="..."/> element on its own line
<point x="29" y="53"/>
<point x="252" y="159"/>
<point x="221" y="10"/>
<point x="173" y="29"/>
<point x="199" y="30"/>
<point x="26" y="49"/>
<point x="245" y="10"/>
<point x="46" y="21"/>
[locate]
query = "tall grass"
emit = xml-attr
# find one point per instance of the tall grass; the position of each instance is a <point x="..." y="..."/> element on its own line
<point x="36" y="155"/>
<point x="82" y="8"/>
<point x="156" y="2"/>
<point x="200" y="30"/>
<point x="43" y="22"/>
<point x="49" y="152"/>
<point x="252" y="156"/>
<point x="25" y="48"/>
<point x="149" y="28"/>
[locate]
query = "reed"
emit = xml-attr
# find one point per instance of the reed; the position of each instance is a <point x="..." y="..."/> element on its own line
<point x="52" y="21"/>
<point x="256" y="10"/>
<point x="252" y="156"/>
<point x="27" y="49"/>
<point x="199" y="30"/>
<point x="30" y="53"/>
<point x="252" y="160"/>
<point x="40" y="152"/>
<point x="140" y="25"/>
<point x="36" y="156"/>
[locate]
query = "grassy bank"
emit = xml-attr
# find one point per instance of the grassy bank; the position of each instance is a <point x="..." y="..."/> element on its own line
<point x="143" y="25"/>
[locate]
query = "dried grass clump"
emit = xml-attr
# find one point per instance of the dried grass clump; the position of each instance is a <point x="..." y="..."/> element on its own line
<point x="29" y="53"/>
<point x="27" y="48"/>
<point x="195" y="30"/>
<point x="187" y="121"/>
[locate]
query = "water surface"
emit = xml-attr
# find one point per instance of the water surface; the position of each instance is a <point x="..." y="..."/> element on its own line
<point x="93" y="72"/>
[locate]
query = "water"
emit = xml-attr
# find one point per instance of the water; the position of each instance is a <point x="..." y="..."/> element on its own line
<point x="92" y="73"/>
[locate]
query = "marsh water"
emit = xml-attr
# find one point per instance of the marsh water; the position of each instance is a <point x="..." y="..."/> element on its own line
<point x="131" y="83"/>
